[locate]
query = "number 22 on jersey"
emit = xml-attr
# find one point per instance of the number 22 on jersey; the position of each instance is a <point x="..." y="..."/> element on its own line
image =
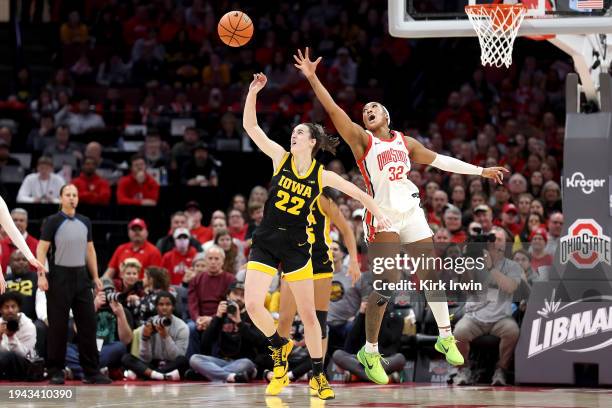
<point x="286" y="198"/>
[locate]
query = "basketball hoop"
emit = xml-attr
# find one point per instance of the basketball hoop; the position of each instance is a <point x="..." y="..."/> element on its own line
<point x="496" y="26"/>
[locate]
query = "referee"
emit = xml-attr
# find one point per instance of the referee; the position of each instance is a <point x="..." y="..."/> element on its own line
<point x="70" y="286"/>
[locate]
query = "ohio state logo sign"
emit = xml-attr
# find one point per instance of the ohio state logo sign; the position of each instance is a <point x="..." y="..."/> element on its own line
<point x="585" y="244"/>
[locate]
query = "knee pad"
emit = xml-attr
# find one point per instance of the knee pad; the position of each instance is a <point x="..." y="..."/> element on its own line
<point x="322" y="318"/>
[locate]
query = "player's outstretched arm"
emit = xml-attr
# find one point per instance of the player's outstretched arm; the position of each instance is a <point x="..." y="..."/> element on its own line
<point x="249" y="122"/>
<point x="336" y="217"/>
<point x="11" y="230"/>
<point x="350" y="131"/>
<point x="331" y="179"/>
<point x="421" y="154"/>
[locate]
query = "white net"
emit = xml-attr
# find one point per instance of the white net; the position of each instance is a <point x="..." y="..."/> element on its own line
<point x="496" y="26"/>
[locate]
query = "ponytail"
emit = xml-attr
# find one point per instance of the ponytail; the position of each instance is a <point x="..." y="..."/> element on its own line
<point x="323" y="140"/>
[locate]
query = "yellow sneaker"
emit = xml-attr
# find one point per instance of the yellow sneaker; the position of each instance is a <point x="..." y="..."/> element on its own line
<point x="322" y="387"/>
<point x="312" y="387"/>
<point x="280" y="358"/>
<point x="280" y="380"/>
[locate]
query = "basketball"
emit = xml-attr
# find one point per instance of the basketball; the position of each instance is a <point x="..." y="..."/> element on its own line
<point x="235" y="28"/>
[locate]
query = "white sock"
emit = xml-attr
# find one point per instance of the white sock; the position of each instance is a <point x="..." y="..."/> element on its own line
<point x="440" y="312"/>
<point x="231" y="378"/>
<point x="172" y="375"/>
<point x="130" y="375"/>
<point x="371" y="347"/>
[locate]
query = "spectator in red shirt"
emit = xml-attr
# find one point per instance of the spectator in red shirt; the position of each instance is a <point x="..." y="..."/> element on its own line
<point x="138" y="187"/>
<point x="237" y="226"/>
<point x="138" y="248"/>
<point x="20" y="218"/>
<point x="510" y="219"/>
<point x="208" y="288"/>
<point x="439" y="203"/>
<point x="539" y="257"/>
<point x="179" y="259"/>
<point x="137" y="26"/>
<point x="93" y="189"/>
<point x="194" y="220"/>
<point x="452" y="222"/>
<point x="205" y="292"/>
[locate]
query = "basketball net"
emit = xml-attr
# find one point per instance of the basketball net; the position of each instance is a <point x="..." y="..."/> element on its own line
<point x="496" y="26"/>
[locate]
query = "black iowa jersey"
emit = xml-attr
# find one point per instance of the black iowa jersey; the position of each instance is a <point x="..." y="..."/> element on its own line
<point x="318" y="232"/>
<point x="320" y="239"/>
<point x="291" y="196"/>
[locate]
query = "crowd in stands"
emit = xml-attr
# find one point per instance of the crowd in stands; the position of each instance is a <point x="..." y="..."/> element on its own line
<point x="147" y="72"/>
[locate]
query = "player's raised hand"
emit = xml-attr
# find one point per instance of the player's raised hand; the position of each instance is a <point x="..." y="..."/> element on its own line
<point x="495" y="173"/>
<point x="304" y="63"/>
<point x="258" y="83"/>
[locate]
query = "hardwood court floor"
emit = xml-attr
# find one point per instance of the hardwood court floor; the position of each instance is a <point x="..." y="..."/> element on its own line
<point x="353" y="395"/>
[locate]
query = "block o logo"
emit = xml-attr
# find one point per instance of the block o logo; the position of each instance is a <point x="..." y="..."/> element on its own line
<point x="585" y="244"/>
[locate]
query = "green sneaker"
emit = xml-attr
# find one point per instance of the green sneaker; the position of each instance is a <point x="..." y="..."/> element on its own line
<point x="448" y="347"/>
<point x="373" y="368"/>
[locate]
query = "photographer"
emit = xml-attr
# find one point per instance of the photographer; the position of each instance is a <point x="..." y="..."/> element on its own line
<point x="492" y="315"/>
<point x="229" y="342"/>
<point x="17" y="338"/>
<point x="163" y="344"/>
<point x="113" y="331"/>
<point x="33" y="302"/>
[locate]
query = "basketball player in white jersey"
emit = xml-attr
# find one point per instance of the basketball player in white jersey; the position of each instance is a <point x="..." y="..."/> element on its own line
<point x="384" y="158"/>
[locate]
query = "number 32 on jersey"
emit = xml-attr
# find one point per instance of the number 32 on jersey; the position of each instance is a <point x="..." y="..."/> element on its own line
<point x="396" y="173"/>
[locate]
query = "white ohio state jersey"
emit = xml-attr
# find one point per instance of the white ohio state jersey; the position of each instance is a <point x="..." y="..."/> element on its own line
<point x="385" y="166"/>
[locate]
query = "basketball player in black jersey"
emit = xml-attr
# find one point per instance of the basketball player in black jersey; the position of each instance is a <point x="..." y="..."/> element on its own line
<point x="282" y="237"/>
<point x="324" y="213"/>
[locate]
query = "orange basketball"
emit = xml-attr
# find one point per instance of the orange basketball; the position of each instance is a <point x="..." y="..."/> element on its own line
<point x="235" y="28"/>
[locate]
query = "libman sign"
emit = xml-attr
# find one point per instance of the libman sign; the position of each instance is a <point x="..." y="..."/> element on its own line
<point x="585" y="244"/>
<point x="566" y="323"/>
<point x="570" y="327"/>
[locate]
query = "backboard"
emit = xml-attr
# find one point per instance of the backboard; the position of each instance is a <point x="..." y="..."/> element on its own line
<point x="581" y="28"/>
<point x="447" y="18"/>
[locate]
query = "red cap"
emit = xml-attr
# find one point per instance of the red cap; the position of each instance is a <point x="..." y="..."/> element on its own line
<point x="539" y="231"/>
<point x="137" y="222"/>
<point x="509" y="207"/>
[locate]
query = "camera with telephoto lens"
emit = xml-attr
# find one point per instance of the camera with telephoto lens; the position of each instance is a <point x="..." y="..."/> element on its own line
<point x="477" y="242"/>
<point x="12" y="325"/>
<point x="160" y="320"/>
<point x="113" y="296"/>
<point x="232" y="307"/>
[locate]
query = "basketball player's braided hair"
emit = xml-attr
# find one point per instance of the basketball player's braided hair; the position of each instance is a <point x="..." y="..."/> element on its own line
<point x="324" y="141"/>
